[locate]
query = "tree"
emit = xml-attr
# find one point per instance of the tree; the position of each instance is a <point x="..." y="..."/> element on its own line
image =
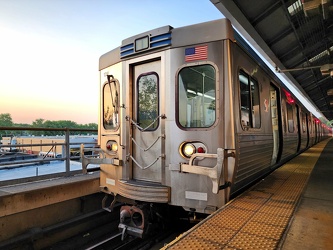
<point x="6" y="120"/>
<point x="38" y="123"/>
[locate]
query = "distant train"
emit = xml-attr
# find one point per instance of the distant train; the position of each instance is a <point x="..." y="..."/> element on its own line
<point x="188" y="117"/>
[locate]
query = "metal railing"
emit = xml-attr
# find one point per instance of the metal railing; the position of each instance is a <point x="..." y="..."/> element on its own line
<point x="50" y="154"/>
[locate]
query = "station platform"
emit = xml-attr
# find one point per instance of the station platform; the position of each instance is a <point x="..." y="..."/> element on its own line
<point x="22" y="197"/>
<point x="32" y="213"/>
<point x="292" y="208"/>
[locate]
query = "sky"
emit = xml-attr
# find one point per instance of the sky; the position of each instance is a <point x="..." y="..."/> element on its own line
<point x="49" y="50"/>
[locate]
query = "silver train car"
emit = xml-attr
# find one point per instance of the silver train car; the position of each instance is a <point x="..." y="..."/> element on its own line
<point x="189" y="117"/>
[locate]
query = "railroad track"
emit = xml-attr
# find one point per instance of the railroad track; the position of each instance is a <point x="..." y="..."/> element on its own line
<point x="114" y="240"/>
<point x="104" y="234"/>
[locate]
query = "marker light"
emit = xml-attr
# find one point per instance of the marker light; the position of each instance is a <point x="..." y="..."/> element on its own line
<point x="201" y="150"/>
<point x="112" y="146"/>
<point x="289" y="98"/>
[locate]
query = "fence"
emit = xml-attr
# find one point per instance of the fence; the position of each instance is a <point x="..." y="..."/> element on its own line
<point x="47" y="151"/>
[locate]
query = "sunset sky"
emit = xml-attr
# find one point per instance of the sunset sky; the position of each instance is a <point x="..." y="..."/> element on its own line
<point x="49" y="50"/>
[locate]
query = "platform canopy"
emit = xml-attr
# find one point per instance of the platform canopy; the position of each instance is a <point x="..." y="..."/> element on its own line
<point x="296" y="37"/>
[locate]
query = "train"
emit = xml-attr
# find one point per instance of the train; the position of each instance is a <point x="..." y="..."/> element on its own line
<point x="189" y="117"/>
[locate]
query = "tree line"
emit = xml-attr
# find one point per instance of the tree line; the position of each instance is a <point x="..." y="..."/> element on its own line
<point x="7" y="121"/>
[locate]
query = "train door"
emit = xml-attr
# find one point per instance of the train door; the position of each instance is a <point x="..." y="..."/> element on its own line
<point x="276" y="123"/>
<point x="146" y="132"/>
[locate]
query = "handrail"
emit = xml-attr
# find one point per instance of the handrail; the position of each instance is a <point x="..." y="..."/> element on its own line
<point x="146" y="149"/>
<point x="214" y="173"/>
<point x="151" y="164"/>
<point x="101" y="160"/>
<point x="162" y="116"/>
<point x="144" y="129"/>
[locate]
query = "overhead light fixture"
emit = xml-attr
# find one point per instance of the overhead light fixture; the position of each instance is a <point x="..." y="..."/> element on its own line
<point x="330" y="92"/>
<point x="326" y="69"/>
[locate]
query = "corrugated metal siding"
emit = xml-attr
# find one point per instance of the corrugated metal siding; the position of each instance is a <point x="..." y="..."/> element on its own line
<point x="254" y="154"/>
<point x="290" y="143"/>
<point x="304" y="141"/>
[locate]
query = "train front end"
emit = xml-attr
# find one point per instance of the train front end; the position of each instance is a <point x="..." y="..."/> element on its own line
<point x="165" y="137"/>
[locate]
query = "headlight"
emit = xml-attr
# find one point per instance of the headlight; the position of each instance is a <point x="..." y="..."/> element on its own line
<point x="188" y="149"/>
<point x="112" y="146"/>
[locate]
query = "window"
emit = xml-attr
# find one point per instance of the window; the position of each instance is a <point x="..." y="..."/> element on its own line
<point x="249" y="100"/>
<point x="141" y="43"/>
<point x="310" y="124"/>
<point x="196" y="96"/>
<point x="303" y="122"/>
<point x="290" y="118"/>
<point x="111" y="104"/>
<point x="147" y="96"/>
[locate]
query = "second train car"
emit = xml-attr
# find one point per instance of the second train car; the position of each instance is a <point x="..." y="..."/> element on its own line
<point x="188" y="117"/>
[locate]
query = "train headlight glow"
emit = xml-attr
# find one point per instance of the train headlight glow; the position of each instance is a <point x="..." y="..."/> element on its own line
<point x="114" y="147"/>
<point x="188" y="149"/>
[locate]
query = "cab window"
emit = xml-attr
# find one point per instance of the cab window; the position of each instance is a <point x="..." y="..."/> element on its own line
<point x="196" y="96"/>
<point x="111" y="105"/>
<point x="249" y="100"/>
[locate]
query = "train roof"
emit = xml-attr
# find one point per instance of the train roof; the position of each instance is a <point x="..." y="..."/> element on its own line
<point x="168" y="37"/>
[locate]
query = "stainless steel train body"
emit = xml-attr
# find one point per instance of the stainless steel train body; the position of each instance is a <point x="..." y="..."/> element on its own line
<point x="188" y="118"/>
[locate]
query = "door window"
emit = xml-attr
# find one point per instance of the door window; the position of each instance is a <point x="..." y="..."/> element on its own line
<point x="147" y="96"/>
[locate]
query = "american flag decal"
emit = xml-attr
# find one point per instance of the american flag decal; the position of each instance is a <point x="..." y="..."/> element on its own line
<point x="196" y="53"/>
